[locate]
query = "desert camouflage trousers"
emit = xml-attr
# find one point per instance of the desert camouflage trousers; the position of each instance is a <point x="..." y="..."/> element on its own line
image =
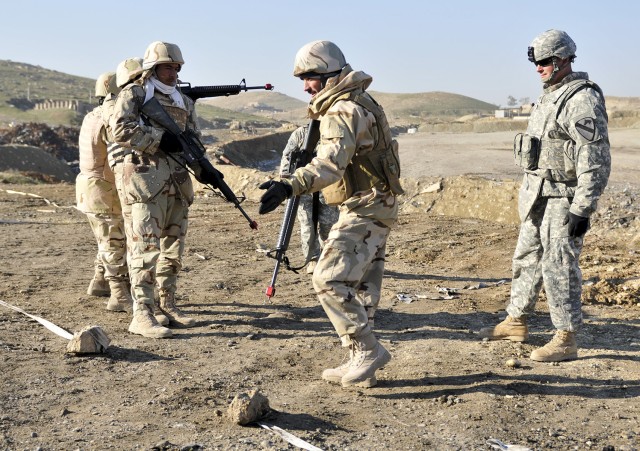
<point x="156" y="232"/>
<point x="349" y="273"/>
<point x="112" y="246"/>
<point x="547" y="256"/>
<point x="312" y="241"/>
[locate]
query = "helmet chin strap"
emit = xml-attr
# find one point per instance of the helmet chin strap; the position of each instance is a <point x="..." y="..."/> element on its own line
<point x="556" y="69"/>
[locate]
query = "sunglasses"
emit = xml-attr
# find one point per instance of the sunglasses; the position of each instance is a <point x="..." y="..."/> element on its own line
<point x="545" y="62"/>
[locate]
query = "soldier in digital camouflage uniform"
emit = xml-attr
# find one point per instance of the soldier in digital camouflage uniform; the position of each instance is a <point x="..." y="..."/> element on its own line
<point x="357" y="167"/>
<point x="311" y="239"/>
<point x="566" y="161"/>
<point x="97" y="197"/>
<point x="156" y="186"/>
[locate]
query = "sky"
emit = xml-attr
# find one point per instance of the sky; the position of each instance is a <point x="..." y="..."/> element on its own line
<point x="474" y="48"/>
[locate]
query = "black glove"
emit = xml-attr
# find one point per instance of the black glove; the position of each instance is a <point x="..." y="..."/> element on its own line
<point x="170" y="143"/>
<point x="208" y="175"/>
<point x="276" y="193"/>
<point x="578" y="225"/>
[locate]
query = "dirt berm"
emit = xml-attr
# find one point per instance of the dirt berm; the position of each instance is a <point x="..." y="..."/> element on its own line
<point x="34" y="162"/>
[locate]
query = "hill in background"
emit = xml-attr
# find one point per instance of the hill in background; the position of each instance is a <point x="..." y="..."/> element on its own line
<point x="401" y="109"/>
<point x="274" y="105"/>
<point x="22" y="85"/>
<point x="34" y="83"/>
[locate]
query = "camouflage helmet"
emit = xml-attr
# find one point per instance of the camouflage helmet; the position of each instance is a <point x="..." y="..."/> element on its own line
<point x="112" y="88"/>
<point x="102" y="84"/>
<point x="128" y="70"/>
<point x="160" y="52"/>
<point x="317" y="59"/>
<point x="551" y="43"/>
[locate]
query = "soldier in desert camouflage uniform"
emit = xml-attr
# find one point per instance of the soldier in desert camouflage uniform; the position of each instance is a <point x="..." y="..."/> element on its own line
<point x="128" y="71"/>
<point x="97" y="197"/>
<point x="357" y="167"/>
<point x="566" y="161"/>
<point x="312" y="240"/>
<point x="156" y="186"/>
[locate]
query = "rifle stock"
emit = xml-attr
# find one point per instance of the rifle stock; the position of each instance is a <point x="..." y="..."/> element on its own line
<point x="300" y="159"/>
<point x="194" y="154"/>
<point x="199" y="92"/>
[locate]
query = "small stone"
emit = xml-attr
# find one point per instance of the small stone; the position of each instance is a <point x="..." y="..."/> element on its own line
<point x="248" y="408"/>
<point x="513" y="363"/>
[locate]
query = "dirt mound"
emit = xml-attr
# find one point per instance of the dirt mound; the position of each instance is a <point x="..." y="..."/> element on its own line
<point x="60" y="141"/>
<point x="34" y="163"/>
<point x="260" y="152"/>
<point x="464" y="197"/>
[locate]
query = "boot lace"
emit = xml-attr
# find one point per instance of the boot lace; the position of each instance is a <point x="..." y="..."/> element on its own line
<point x="346" y="360"/>
<point x="359" y="353"/>
<point x="559" y="338"/>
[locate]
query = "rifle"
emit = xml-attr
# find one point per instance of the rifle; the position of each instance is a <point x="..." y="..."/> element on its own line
<point x="199" y="92"/>
<point x="194" y="154"/>
<point x="298" y="159"/>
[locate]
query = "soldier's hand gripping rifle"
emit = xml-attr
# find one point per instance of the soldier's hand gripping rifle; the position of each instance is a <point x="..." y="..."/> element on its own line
<point x="194" y="155"/>
<point x="199" y="92"/>
<point x="298" y="159"/>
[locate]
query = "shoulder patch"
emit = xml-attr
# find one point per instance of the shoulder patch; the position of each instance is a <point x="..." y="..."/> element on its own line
<point x="586" y="127"/>
<point x="331" y="129"/>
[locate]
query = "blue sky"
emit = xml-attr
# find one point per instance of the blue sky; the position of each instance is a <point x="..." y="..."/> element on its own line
<point x="474" y="48"/>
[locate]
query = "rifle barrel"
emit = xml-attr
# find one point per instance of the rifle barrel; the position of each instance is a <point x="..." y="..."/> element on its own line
<point x="199" y="92"/>
<point x="308" y="147"/>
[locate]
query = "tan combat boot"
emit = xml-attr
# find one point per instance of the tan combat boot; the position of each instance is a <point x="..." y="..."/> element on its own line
<point x="175" y="315"/>
<point x="368" y="356"/>
<point x="120" y="299"/>
<point x="335" y="374"/>
<point x="561" y="347"/>
<point x="514" y="329"/>
<point x="162" y="319"/>
<point x="145" y="324"/>
<point x="98" y="285"/>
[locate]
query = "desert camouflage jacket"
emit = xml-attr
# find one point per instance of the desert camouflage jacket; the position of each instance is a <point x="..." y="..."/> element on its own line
<point x="125" y="123"/>
<point x="147" y="171"/>
<point x="577" y="126"/>
<point x="107" y="111"/>
<point x="346" y="128"/>
<point x="93" y="147"/>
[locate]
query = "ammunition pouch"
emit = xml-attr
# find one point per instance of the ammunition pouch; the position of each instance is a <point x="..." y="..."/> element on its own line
<point x="337" y="193"/>
<point x="526" y="150"/>
<point x="391" y="166"/>
<point x="379" y="168"/>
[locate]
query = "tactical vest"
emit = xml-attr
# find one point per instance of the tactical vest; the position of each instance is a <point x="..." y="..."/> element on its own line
<point x="179" y="115"/>
<point x="555" y="147"/>
<point x="379" y="168"/>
